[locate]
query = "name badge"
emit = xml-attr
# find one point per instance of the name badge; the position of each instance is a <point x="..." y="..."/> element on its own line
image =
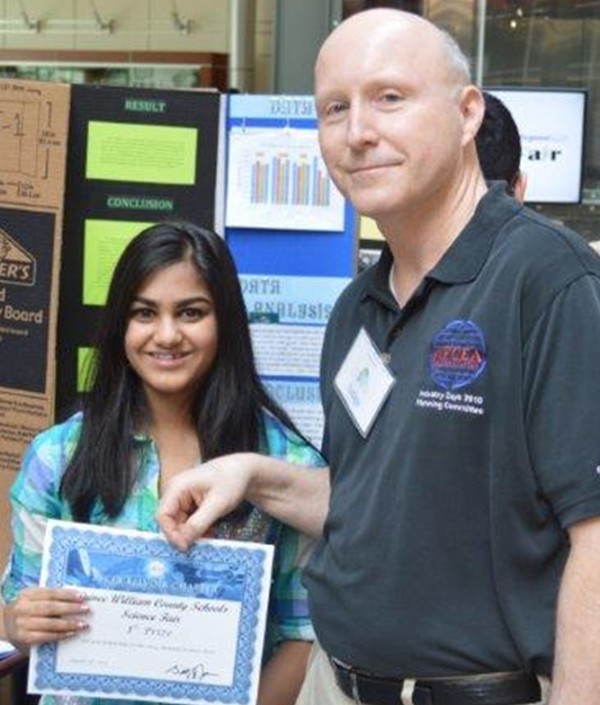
<point x="363" y="382"/>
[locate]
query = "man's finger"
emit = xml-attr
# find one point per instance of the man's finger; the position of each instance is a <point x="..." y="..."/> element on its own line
<point x="173" y="533"/>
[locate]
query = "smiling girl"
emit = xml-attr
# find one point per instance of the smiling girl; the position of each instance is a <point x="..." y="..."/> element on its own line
<point x="174" y="383"/>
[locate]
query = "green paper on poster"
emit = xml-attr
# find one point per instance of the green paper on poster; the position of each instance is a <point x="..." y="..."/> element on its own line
<point x="85" y="358"/>
<point x="152" y="154"/>
<point x="104" y="241"/>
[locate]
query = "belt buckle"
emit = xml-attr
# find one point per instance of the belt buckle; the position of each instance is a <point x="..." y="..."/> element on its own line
<point x="408" y="689"/>
<point x="406" y="694"/>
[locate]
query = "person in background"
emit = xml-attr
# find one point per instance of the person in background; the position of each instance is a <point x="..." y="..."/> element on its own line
<point x="499" y="147"/>
<point x="459" y="522"/>
<point x="174" y="382"/>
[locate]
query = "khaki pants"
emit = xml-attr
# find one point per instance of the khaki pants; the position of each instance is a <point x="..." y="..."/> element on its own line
<point x="320" y="688"/>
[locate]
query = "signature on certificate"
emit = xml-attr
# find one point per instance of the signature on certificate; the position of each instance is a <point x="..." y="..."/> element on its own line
<point x="190" y="673"/>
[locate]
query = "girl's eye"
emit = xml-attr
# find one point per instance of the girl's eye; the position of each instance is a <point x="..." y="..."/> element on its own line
<point x="142" y="314"/>
<point x="193" y="314"/>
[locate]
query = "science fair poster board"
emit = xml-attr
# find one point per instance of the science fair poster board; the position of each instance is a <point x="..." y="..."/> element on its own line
<point x="136" y="157"/>
<point x="33" y="138"/>
<point x="293" y="237"/>
<point x="551" y="124"/>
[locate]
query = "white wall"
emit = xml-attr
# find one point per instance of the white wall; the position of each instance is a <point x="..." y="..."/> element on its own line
<point x="140" y="25"/>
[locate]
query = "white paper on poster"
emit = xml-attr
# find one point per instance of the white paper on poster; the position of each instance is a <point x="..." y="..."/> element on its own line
<point x="285" y="350"/>
<point x="302" y="401"/>
<point x="276" y="179"/>
<point x="306" y="300"/>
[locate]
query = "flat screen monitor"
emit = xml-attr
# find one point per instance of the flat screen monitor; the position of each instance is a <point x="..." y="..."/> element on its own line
<point x="551" y="123"/>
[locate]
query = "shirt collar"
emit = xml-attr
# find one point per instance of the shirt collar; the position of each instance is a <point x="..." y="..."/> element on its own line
<point x="465" y="258"/>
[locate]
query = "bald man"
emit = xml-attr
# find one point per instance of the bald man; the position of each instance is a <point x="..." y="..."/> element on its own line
<point x="459" y="532"/>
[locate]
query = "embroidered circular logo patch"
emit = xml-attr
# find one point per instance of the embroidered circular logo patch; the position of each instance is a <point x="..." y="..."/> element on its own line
<point x="457" y="356"/>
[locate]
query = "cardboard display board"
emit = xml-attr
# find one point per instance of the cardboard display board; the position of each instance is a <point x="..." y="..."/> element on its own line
<point x="136" y="157"/>
<point x="33" y="138"/>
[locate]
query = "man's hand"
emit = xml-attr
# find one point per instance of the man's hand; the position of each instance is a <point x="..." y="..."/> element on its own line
<point x="195" y="499"/>
<point x="576" y="674"/>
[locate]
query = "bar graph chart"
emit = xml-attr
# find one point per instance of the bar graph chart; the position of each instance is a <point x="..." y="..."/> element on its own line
<point x="290" y="180"/>
<point x="280" y="180"/>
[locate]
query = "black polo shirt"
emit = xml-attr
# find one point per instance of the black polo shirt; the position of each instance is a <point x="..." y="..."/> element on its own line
<point x="445" y="539"/>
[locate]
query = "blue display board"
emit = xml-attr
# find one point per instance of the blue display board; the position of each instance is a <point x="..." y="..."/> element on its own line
<point x="276" y="249"/>
<point x="294" y="240"/>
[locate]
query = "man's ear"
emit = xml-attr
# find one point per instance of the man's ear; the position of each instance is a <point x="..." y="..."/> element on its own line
<point x="472" y="106"/>
<point x="520" y="187"/>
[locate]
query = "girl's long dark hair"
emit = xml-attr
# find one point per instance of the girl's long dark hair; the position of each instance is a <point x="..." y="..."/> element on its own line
<point x="227" y="408"/>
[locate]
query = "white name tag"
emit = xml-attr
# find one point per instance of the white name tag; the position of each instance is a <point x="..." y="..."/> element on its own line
<point x="363" y="382"/>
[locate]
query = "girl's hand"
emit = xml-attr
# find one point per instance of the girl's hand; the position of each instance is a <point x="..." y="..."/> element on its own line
<point x="42" y="614"/>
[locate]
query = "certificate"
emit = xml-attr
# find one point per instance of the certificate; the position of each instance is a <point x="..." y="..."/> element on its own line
<point x="164" y="626"/>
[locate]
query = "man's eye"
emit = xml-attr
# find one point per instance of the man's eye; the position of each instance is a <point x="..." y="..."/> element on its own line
<point x="335" y="109"/>
<point x="391" y="98"/>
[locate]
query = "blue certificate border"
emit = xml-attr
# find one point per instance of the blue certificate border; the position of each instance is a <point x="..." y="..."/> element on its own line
<point x="247" y="561"/>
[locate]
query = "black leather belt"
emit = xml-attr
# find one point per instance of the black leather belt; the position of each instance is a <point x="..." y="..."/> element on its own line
<point x="488" y="689"/>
